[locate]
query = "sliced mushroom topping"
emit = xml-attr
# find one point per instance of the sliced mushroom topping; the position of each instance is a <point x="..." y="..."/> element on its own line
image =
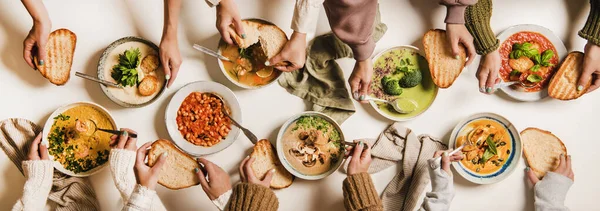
<point x="296" y="153"/>
<point x="310" y="163"/>
<point x="322" y="159"/>
<point x="303" y="135"/>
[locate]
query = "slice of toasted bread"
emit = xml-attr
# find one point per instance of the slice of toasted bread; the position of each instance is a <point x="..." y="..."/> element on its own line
<point x="444" y="67"/>
<point x="60" y="49"/>
<point x="563" y="85"/>
<point x="272" y="39"/>
<point x="265" y="160"/>
<point x="542" y="150"/>
<point x="251" y="32"/>
<point x="178" y="171"/>
<point x="148" y="86"/>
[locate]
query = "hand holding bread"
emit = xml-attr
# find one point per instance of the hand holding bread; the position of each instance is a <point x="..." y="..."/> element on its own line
<point x="227" y="15"/>
<point x="247" y="174"/>
<point x="564" y="168"/>
<point x="459" y="35"/>
<point x="591" y="69"/>
<point x="213" y="179"/>
<point x="145" y="175"/>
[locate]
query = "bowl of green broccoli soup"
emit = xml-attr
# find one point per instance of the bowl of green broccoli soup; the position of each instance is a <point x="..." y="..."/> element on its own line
<point x="402" y="72"/>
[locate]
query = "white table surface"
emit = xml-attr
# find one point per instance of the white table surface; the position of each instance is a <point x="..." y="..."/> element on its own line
<point x="25" y="94"/>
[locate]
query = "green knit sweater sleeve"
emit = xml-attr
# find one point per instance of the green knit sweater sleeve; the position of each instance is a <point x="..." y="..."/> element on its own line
<point x="252" y="197"/>
<point x="477" y="21"/>
<point x="360" y="193"/>
<point x="591" y="30"/>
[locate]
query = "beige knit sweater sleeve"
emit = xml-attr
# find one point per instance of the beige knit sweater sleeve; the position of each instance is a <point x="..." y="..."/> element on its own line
<point x="121" y="167"/>
<point x="360" y="193"/>
<point x="37" y="187"/>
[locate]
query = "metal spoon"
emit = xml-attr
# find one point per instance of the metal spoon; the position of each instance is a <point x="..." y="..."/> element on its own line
<point x="97" y="80"/>
<point x="247" y="132"/>
<point x="211" y="52"/>
<point x="395" y="103"/>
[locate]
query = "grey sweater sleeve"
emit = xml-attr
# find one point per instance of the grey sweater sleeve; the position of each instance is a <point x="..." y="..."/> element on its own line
<point x="550" y="192"/>
<point x="442" y="189"/>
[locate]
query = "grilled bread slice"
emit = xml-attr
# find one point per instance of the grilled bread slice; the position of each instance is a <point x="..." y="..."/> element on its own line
<point x="178" y="171"/>
<point x="272" y="39"/>
<point x="542" y="150"/>
<point x="251" y="31"/>
<point x="60" y="49"/>
<point x="444" y="67"/>
<point x="563" y="85"/>
<point x="265" y="160"/>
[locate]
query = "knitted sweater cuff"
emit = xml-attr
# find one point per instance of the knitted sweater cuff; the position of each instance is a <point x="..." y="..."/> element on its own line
<point x="455" y="14"/>
<point x="141" y="198"/>
<point x="477" y="21"/>
<point x="121" y="164"/>
<point x="360" y="193"/>
<point x="252" y="197"/>
<point x="39" y="182"/>
<point x="222" y="200"/>
<point x="591" y="29"/>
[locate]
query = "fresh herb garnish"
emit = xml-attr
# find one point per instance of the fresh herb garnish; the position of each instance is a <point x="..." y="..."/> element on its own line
<point x="526" y="49"/>
<point x="490" y="151"/>
<point x="514" y="73"/>
<point x="533" y="78"/>
<point x="125" y="73"/>
<point x="62" y="117"/>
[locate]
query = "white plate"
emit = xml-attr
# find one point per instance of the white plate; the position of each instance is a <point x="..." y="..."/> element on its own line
<point x="280" y="150"/>
<point x="561" y="52"/>
<point x="511" y="163"/>
<point x="48" y="126"/>
<point x="202" y="86"/>
<point x="396" y="118"/>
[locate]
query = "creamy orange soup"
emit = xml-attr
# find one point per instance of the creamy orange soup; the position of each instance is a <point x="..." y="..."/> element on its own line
<point x="480" y="156"/>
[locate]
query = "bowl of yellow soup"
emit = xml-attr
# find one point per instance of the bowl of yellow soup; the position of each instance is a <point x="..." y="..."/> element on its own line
<point x="401" y="72"/>
<point x="492" y="151"/>
<point x="74" y="142"/>
<point x="246" y="67"/>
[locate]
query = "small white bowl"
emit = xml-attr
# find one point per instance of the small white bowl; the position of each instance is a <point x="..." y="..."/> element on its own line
<point x="48" y="126"/>
<point x="231" y="101"/>
<point x="280" y="151"/>
<point x="509" y="166"/>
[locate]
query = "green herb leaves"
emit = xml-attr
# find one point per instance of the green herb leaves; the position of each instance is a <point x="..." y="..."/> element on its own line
<point x="125" y="72"/>
<point x="533" y="78"/>
<point x="62" y="117"/>
<point x="526" y="49"/>
<point x="490" y="151"/>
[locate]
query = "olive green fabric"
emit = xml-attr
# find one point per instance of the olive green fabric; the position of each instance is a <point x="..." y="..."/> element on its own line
<point x="321" y="81"/>
<point x="477" y="21"/>
<point x="591" y="30"/>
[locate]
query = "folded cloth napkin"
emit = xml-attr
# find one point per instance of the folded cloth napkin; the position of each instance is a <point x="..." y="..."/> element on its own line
<point x="399" y="145"/>
<point x="69" y="193"/>
<point x="321" y="81"/>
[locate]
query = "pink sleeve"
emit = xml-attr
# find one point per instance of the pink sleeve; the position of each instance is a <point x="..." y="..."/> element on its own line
<point x="456" y="10"/>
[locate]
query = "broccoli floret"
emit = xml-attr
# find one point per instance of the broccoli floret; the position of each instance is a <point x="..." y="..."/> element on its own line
<point x="391" y="86"/>
<point x="411" y="79"/>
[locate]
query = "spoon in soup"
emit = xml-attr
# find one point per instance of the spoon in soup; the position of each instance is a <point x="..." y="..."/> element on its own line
<point x="401" y="105"/>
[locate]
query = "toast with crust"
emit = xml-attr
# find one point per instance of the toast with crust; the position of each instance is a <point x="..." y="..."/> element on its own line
<point x="251" y="31"/>
<point x="542" y="150"/>
<point x="265" y="160"/>
<point x="60" y="49"/>
<point x="444" y="67"/>
<point x="563" y="85"/>
<point x="178" y="171"/>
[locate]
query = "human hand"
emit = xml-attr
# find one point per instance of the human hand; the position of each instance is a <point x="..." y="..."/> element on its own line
<point x="487" y="73"/>
<point x="293" y="52"/>
<point x="591" y="68"/>
<point x="360" y="80"/>
<point x="124" y="141"/>
<point x="170" y="57"/>
<point x="145" y="175"/>
<point x="228" y="14"/>
<point x="564" y="168"/>
<point x="361" y="158"/>
<point x="213" y="179"/>
<point x="38" y="151"/>
<point x="447" y="160"/>
<point x="35" y="43"/>
<point x="247" y="174"/>
<point x="458" y="34"/>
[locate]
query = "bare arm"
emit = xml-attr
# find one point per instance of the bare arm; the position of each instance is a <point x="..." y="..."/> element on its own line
<point x="169" y="46"/>
<point x="35" y="42"/>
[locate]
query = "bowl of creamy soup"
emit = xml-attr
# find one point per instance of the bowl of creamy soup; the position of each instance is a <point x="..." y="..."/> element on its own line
<point x="311" y="145"/>
<point x="75" y="143"/>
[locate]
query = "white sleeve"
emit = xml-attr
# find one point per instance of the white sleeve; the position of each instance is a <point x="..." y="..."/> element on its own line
<point x="442" y="188"/>
<point x="141" y="199"/>
<point x="213" y="3"/>
<point x="550" y="192"/>
<point x="306" y="13"/>
<point x="221" y="202"/>
<point x="37" y="187"/>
